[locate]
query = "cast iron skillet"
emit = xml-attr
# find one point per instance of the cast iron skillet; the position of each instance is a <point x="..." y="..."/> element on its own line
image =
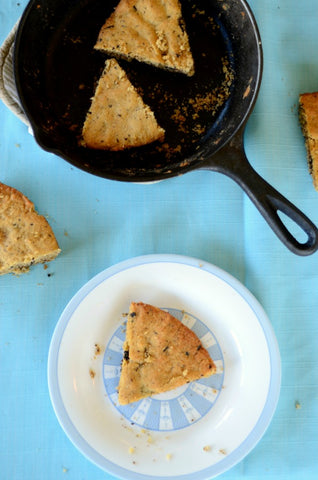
<point x="56" y="69"/>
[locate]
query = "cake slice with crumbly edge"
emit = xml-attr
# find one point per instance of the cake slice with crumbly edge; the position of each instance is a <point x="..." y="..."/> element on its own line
<point x="118" y="118"/>
<point x="160" y="354"/>
<point x="151" y="31"/>
<point x="26" y="237"/>
<point x="308" y="116"/>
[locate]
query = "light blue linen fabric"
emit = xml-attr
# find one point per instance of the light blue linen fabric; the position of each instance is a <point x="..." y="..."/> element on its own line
<point x="205" y="215"/>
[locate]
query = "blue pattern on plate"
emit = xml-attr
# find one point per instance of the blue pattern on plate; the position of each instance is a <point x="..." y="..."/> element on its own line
<point x="179" y="408"/>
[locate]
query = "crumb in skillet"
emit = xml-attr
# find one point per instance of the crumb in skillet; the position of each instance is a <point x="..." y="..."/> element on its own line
<point x="186" y="115"/>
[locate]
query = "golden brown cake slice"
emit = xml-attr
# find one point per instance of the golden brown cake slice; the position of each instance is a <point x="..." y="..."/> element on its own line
<point x="25" y="236"/>
<point x="118" y="118"/>
<point x="160" y="354"/>
<point x="308" y="116"/>
<point x="151" y="31"/>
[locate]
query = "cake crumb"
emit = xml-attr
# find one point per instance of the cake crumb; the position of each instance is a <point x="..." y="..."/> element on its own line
<point x="131" y="450"/>
<point x="168" y="456"/>
<point x="223" y="451"/>
<point x="297" y="405"/>
<point x="207" y="448"/>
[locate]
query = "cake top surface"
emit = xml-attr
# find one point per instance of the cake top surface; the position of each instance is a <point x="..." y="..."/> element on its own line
<point x="150" y="31"/>
<point x="160" y="354"/>
<point x="118" y="118"/>
<point x="25" y="236"/>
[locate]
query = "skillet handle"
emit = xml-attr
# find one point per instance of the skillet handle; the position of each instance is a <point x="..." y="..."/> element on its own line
<point x="231" y="160"/>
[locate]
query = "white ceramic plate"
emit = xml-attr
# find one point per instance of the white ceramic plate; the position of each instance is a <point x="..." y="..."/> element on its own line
<point x="192" y="433"/>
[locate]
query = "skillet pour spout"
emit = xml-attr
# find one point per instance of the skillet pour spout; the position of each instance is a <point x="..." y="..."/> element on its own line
<point x="232" y="161"/>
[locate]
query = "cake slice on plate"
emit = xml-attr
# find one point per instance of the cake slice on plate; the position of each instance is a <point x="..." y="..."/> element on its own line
<point x="26" y="237"/>
<point x="118" y="118"/>
<point x="151" y="31"/>
<point x="160" y="354"/>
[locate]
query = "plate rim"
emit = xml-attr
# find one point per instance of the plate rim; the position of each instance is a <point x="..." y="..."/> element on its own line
<point x="273" y="393"/>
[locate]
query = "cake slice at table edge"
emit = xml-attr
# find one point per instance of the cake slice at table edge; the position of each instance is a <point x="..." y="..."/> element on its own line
<point x="308" y="117"/>
<point x="26" y="237"/>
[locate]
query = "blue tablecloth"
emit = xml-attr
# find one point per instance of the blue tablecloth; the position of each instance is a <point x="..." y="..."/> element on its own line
<point x="100" y="222"/>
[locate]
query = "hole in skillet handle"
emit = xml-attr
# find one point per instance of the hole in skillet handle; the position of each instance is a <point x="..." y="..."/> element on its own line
<point x="275" y="208"/>
<point x="282" y="215"/>
<point x="295" y="230"/>
<point x="271" y="204"/>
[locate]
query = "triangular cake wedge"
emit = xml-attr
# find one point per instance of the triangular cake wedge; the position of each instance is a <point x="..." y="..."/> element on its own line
<point x="308" y="116"/>
<point x="151" y="31"/>
<point x="118" y="118"/>
<point x="26" y="237"/>
<point x="160" y="354"/>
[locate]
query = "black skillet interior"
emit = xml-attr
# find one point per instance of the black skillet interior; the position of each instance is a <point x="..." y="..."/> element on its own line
<point x="56" y="70"/>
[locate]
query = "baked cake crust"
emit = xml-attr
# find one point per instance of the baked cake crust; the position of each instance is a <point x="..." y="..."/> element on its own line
<point x="26" y="237"/>
<point x="160" y="354"/>
<point x="118" y="118"/>
<point x="308" y="116"/>
<point x="151" y="31"/>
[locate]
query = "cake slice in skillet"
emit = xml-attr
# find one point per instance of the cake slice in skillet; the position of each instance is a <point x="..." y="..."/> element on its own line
<point x="150" y="31"/>
<point x="118" y="118"/>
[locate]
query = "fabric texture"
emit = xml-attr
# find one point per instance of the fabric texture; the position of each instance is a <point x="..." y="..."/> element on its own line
<point x="203" y="214"/>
